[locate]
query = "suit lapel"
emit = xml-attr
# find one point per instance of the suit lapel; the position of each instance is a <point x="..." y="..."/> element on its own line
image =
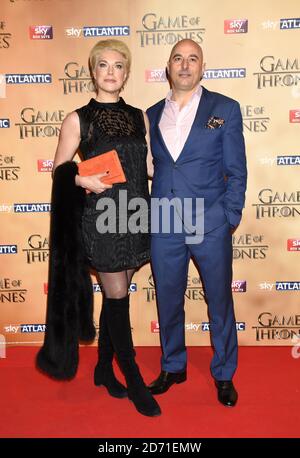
<point x="158" y="131"/>
<point x="201" y="118"/>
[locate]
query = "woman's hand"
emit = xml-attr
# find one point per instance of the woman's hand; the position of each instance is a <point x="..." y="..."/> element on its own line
<point x="92" y="183"/>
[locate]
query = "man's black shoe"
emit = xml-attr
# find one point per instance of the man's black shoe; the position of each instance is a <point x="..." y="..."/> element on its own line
<point x="165" y="380"/>
<point x="227" y="394"/>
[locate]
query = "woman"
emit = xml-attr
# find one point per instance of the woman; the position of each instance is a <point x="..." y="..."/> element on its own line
<point x="107" y="123"/>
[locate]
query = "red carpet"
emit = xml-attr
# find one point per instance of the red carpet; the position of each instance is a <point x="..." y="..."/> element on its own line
<point x="32" y="405"/>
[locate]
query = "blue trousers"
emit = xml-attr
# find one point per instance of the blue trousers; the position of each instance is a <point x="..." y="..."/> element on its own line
<point x="213" y="256"/>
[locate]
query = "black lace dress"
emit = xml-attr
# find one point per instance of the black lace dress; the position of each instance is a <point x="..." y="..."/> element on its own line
<point x="106" y="126"/>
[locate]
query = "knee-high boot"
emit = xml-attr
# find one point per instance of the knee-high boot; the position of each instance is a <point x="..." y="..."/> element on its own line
<point x="118" y="322"/>
<point x="104" y="374"/>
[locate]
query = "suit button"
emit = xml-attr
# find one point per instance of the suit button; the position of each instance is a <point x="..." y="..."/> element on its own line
<point x="175" y="166"/>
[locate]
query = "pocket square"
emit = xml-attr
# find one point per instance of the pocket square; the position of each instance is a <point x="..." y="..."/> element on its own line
<point x="214" y="122"/>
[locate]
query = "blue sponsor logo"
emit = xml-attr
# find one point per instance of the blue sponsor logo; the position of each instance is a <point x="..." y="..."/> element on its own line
<point x="220" y="73"/>
<point x="107" y="31"/>
<point x="291" y="23"/>
<point x="288" y="160"/>
<point x="240" y="326"/>
<point x="8" y="249"/>
<point x="4" y="123"/>
<point x="288" y="285"/>
<point x="97" y="288"/>
<point x="133" y="287"/>
<point x="36" y="207"/>
<point x="28" y="78"/>
<point x="32" y="328"/>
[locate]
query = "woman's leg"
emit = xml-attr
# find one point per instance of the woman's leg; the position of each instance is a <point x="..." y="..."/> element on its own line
<point x="115" y="286"/>
<point x="129" y="274"/>
<point x="103" y="374"/>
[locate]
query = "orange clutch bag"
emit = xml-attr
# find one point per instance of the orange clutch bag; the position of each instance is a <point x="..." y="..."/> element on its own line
<point x="100" y="164"/>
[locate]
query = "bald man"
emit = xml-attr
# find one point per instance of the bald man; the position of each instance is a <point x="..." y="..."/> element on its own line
<point x="199" y="157"/>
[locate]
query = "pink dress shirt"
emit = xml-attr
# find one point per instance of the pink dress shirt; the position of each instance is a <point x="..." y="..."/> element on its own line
<point x="175" y="124"/>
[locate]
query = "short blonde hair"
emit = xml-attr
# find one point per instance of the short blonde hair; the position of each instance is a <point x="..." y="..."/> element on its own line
<point x="112" y="45"/>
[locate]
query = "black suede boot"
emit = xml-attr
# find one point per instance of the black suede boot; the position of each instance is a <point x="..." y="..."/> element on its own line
<point x="118" y="322"/>
<point x="104" y="374"/>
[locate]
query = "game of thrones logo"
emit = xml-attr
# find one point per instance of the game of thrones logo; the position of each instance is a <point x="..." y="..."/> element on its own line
<point x="278" y="72"/>
<point x="249" y="246"/>
<point x="9" y="170"/>
<point x="194" y="291"/>
<point x="39" y="124"/>
<point x="255" y="119"/>
<point x="5" y="36"/>
<point x="272" y="204"/>
<point x="11" y="291"/>
<point x="38" y="249"/>
<point x="77" y="79"/>
<point x="158" y="30"/>
<point x="275" y="327"/>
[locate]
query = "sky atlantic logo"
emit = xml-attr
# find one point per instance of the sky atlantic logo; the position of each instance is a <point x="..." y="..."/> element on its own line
<point x="4" y="123"/>
<point x="223" y="73"/>
<point x="240" y="326"/>
<point x="289" y="24"/>
<point x="293" y="244"/>
<point x="288" y="160"/>
<point x="273" y="204"/>
<point x="97" y="31"/>
<point x="24" y="328"/>
<point x="41" y="32"/>
<point x="266" y="286"/>
<point x="8" y="249"/>
<point x="28" y="78"/>
<point x="36" y="207"/>
<point x="288" y="286"/>
<point x="32" y="328"/>
<point x="235" y="26"/>
<point x="97" y="288"/>
<point x="106" y="31"/>
<point x="168" y="30"/>
<point x="76" y="79"/>
<point x="74" y="32"/>
<point x="276" y="72"/>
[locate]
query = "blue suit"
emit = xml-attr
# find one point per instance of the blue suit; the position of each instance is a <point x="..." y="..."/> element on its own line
<point x="211" y="166"/>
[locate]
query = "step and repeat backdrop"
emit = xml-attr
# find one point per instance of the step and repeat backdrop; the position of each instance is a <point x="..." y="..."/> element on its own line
<point x="251" y="50"/>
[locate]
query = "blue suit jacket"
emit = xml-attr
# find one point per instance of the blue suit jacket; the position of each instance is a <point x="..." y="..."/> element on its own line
<point x="211" y="165"/>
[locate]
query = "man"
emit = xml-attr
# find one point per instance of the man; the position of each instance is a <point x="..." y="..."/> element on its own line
<point x="198" y="150"/>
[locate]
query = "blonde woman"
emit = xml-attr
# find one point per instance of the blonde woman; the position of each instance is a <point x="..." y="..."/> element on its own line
<point x="107" y="123"/>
